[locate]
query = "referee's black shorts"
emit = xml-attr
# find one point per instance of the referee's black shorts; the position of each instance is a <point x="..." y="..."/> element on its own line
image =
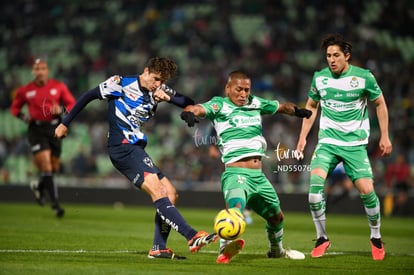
<point x="41" y="137"/>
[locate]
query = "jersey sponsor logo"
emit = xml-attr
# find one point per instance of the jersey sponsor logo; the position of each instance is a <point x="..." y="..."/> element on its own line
<point x="135" y="120"/>
<point x="140" y="115"/>
<point x="340" y="105"/>
<point x="350" y="94"/>
<point x="243" y="121"/>
<point x="30" y="94"/>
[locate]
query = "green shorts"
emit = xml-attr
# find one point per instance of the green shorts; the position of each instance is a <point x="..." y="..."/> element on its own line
<point x="257" y="190"/>
<point x="355" y="160"/>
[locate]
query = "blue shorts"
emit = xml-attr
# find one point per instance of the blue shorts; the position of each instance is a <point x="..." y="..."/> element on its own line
<point x="133" y="162"/>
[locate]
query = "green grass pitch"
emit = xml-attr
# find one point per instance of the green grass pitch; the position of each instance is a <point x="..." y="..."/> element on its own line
<point x="102" y="239"/>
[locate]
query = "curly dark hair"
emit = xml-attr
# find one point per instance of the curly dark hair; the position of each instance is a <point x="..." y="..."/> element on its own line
<point x="165" y="66"/>
<point x="338" y="40"/>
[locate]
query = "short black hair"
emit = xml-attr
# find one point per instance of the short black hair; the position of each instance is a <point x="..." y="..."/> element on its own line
<point x="338" y="40"/>
<point x="238" y="74"/>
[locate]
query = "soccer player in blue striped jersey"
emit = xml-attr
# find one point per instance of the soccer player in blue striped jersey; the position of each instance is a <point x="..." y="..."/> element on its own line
<point x="342" y="91"/>
<point x="132" y="101"/>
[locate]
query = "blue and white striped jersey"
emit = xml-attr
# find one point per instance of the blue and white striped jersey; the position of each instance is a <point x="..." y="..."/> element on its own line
<point x="129" y="107"/>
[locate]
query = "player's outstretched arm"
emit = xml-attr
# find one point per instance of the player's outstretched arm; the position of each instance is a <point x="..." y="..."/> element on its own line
<point x="62" y="130"/>
<point x="192" y="113"/>
<point x="293" y="110"/>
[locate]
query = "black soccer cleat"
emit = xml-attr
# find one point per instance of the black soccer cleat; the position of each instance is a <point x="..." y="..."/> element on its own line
<point x="164" y="254"/>
<point x="59" y="212"/>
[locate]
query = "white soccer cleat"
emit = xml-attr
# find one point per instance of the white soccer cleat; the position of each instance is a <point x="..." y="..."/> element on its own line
<point x="293" y="254"/>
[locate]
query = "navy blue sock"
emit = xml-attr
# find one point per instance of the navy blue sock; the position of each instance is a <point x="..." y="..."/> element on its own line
<point x="161" y="233"/>
<point x="172" y="217"/>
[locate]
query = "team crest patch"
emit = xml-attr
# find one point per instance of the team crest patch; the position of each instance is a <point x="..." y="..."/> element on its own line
<point x="53" y="91"/>
<point x="354" y="82"/>
<point x="215" y="107"/>
<point x="116" y="79"/>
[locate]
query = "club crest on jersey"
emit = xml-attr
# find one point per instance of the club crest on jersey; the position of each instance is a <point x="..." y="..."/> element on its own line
<point x="53" y="92"/>
<point x="354" y="82"/>
<point x="215" y="107"/>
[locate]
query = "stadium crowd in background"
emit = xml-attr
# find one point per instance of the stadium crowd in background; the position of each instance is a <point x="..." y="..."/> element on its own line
<point x="274" y="40"/>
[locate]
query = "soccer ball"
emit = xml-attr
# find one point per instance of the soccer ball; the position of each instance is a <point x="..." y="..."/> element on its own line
<point x="229" y="224"/>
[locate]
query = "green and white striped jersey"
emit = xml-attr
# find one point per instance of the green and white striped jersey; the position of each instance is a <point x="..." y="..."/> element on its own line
<point x="343" y="99"/>
<point x="239" y="128"/>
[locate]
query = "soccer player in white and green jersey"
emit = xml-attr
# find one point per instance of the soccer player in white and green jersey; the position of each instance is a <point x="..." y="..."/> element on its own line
<point x="342" y="91"/>
<point x="238" y="124"/>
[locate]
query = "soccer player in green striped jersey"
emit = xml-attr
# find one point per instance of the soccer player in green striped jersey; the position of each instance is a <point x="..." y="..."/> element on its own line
<point x="342" y="91"/>
<point x="238" y="124"/>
